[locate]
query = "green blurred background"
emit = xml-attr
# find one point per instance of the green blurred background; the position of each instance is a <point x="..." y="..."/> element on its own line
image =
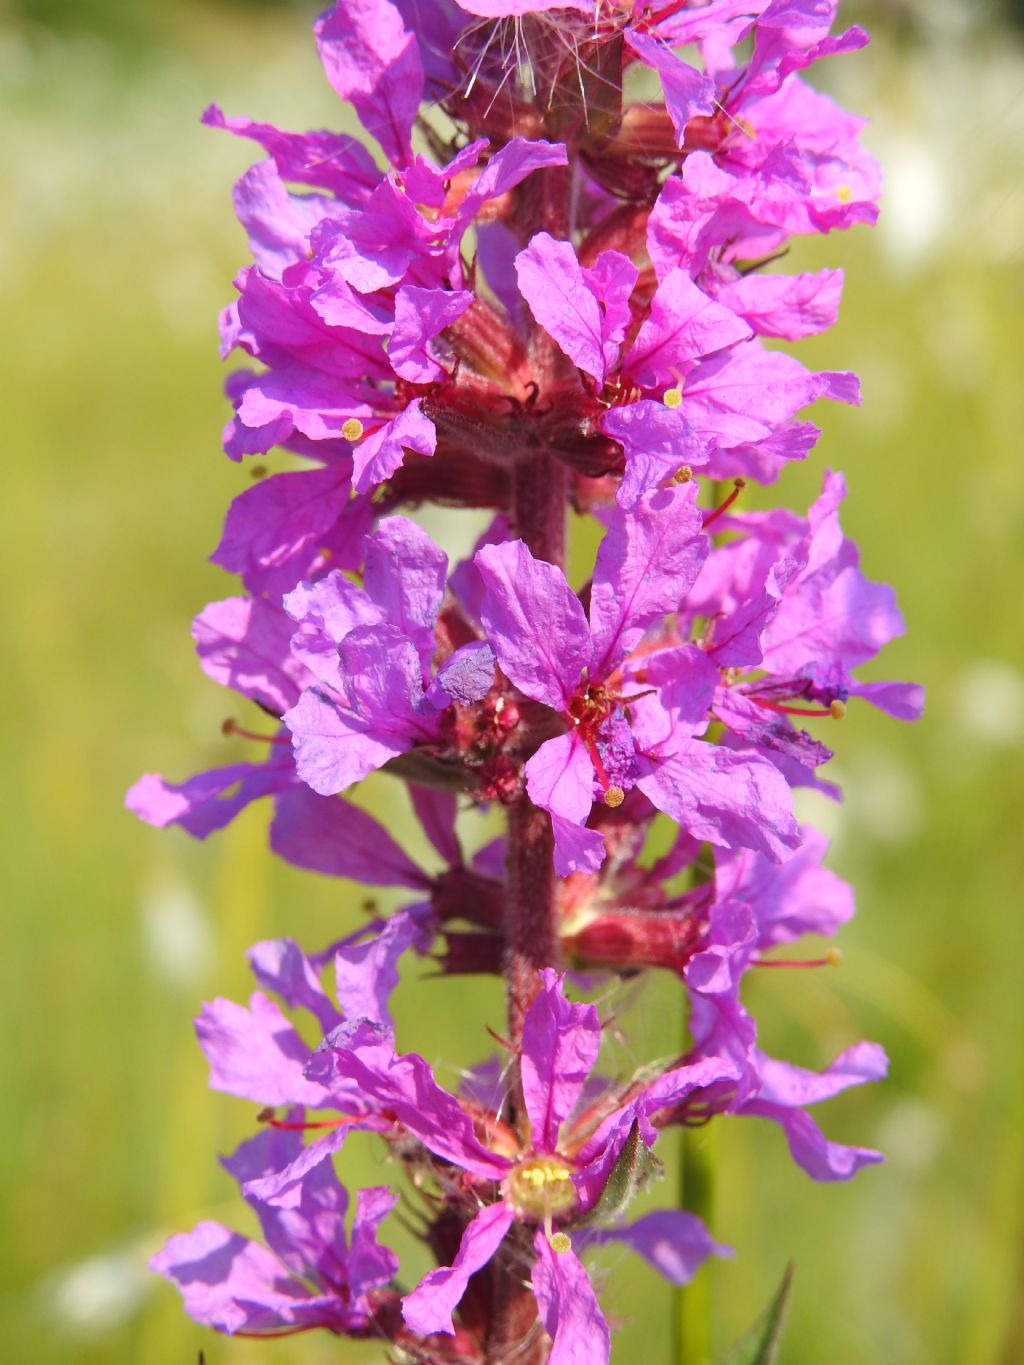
<point x="118" y="248"/>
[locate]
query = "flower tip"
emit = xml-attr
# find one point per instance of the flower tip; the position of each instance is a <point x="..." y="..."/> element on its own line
<point x="560" y="1242"/>
<point x="352" y="429"/>
<point x="837" y="709"/>
<point x="614" y="796"/>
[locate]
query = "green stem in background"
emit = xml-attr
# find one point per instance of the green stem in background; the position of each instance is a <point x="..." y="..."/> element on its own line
<point x="691" y="1306"/>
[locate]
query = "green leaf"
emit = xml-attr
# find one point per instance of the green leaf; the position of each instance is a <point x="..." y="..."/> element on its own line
<point x="636" y="1167"/>
<point x="760" y="1345"/>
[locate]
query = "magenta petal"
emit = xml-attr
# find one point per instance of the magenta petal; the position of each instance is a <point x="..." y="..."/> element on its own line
<point x="368" y="972"/>
<point x="903" y="700"/>
<point x="790" y="306"/>
<point x="210" y="800"/>
<point x="683" y="325"/>
<point x="332" y="836"/>
<point x="688" y="92"/>
<point x="369" y="1264"/>
<point x="233" y="1284"/>
<point x="436" y="811"/>
<point x="577" y="849"/>
<point x="794" y="1086"/>
<point x="534" y="622"/>
<point x="810" y="1149"/>
<point x="404" y="574"/>
<point x="278" y="1186"/>
<point x="568" y="1307"/>
<point x="333" y="748"/>
<point x="429" y="1307"/>
<point x="255" y="1053"/>
<point x="732" y="799"/>
<point x="503" y="9"/>
<point x="274" y="531"/>
<point x="561" y="1041"/>
<point x="420" y="314"/>
<point x="551" y="281"/>
<point x="378" y="455"/>
<point x="646" y="564"/>
<point x="280" y="965"/>
<point x="245" y="643"/>
<point x="560" y="778"/>
<point x="676" y="1243"/>
<point x="465" y="676"/>
<point x="277" y="223"/>
<point x="372" y="60"/>
<point x="657" y="441"/>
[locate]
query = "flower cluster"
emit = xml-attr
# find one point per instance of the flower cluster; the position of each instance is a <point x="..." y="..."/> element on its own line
<point x="539" y="297"/>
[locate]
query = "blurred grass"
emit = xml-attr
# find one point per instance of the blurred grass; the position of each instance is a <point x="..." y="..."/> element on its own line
<point x="118" y="249"/>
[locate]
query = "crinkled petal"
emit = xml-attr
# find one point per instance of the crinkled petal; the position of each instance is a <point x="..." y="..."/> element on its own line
<point x="372" y="60"/>
<point x="657" y="441"/>
<point x="688" y="92"/>
<point x="245" y="643"/>
<point x="370" y="1265"/>
<point x="280" y="965"/>
<point x="256" y="1053"/>
<point x="561" y="1041"/>
<point x="534" y="622"/>
<point x="551" y="281"/>
<point x="646" y="564"/>
<point x="334" y="748"/>
<point x="429" y="1307"/>
<point x="727" y="798"/>
<point x="465" y="676"/>
<point x="378" y="455"/>
<point x="420" y="315"/>
<point x="404" y="573"/>
<point x="683" y="324"/>
<point x="277" y="223"/>
<point x="368" y="972"/>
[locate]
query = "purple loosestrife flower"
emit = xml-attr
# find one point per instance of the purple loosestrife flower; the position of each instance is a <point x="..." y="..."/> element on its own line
<point x="634" y="715"/>
<point x="552" y="1181"/>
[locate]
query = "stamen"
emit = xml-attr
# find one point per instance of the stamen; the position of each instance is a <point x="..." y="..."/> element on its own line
<point x="835" y="709"/>
<point x="738" y="486"/>
<point x="267" y="1116"/>
<point x="352" y="429"/>
<point x="683" y="474"/>
<point x="672" y="397"/>
<point x="232" y="727"/>
<point x="614" y="796"/>
<point x="832" y="958"/>
<point x="258" y="471"/>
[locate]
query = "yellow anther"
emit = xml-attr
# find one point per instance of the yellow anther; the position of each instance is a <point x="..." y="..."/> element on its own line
<point x="540" y="1187"/>
<point x="844" y="194"/>
<point x="672" y="397"/>
<point x="614" y="796"/>
<point x="352" y="429"/>
<point x="258" y="471"/>
<point x="837" y="709"/>
<point x="683" y="474"/>
<point x="834" y="956"/>
<point x="560" y="1242"/>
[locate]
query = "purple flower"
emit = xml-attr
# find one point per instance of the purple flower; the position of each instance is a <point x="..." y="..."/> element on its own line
<point x="308" y="1274"/>
<point x="371" y="648"/>
<point x="553" y="1181"/>
<point x="634" y="717"/>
